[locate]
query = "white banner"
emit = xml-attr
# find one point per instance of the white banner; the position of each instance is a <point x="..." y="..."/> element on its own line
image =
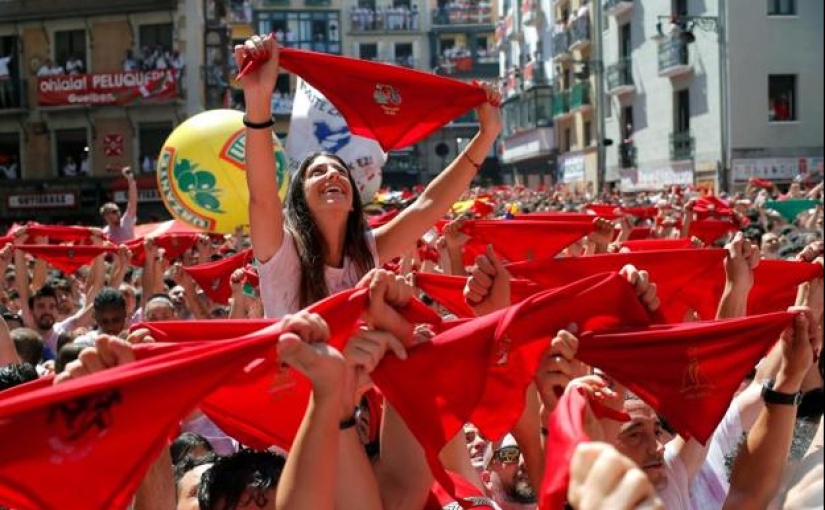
<point x="775" y="168"/>
<point x="316" y="125"/>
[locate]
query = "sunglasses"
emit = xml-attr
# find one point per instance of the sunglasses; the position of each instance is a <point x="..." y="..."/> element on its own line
<point x="507" y="455"/>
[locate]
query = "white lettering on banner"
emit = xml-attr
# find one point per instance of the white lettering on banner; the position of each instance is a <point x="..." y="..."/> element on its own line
<point x="573" y="169"/>
<point x="42" y="200"/>
<point x="644" y="180"/>
<point x="63" y="83"/>
<point x="777" y="169"/>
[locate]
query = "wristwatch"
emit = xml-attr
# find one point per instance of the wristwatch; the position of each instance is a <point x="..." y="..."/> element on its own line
<point x="774" y="397"/>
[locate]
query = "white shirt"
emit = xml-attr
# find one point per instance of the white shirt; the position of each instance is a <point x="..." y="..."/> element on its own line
<point x="4" y="68"/>
<point x="675" y="495"/>
<point x="710" y="486"/>
<point x="281" y="278"/>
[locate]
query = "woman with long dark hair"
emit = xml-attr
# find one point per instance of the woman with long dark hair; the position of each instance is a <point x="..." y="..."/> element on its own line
<point x="320" y="244"/>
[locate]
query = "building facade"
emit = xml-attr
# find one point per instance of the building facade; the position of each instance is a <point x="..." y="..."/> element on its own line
<point x="528" y="146"/>
<point x="712" y="93"/>
<point x="574" y="106"/>
<point x="92" y="86"/>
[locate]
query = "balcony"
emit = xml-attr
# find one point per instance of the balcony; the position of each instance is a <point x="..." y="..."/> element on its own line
<point x="318" y="3"/>
<point x="617" y="7"/>
<point x="402" y="19"/>
<point x="580" y="33"/>
<point x="478" y="66"/>
<point x="627" y="155"/>
<point x="561" y="104"/>
<point x="463" y="15"/>
<point x="674" y="58"/>
<point x="12" y="96"/>
<point x="580" y="97"/>
<point x="40" y="10"/>
<point x="681" y="146"/>
<point x="620" y="78"/>
<point x="561" y="45"/>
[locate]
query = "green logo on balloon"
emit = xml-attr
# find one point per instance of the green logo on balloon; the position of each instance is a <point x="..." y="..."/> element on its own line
<point x="198" y="184"/>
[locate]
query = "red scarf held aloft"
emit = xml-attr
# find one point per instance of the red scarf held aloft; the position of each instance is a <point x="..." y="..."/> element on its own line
<point x="638" y="212"/>
<point x="518" y="240"/>
<point x="90" y="436"/>
<point x="213" y="277"/>
<point x="56" y="233"/>
<point x="465" y="492"/>
<point x="686" y="372"/>
<point x="173" y="244"/>
<point x="66" y="258"/>
<point x="709" y="231"/>
<point x="658" y="244"/>
<point x="561" y="216"/>
<point x="382" y="219"/>
<point x="391" y="104"/>
<point x="774" y="288"/>
<point x="712" y="206"/>
<point x="449" y="291"/>
<point x="565" y="431"/>
<point x="494" y="358"/>
<point x="674" y="272"/>
<point x="244" y="406"/>
<point x="638" y="233"/>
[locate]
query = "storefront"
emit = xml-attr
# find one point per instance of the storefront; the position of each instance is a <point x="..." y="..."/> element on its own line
<point x="633" y="180"/>
<point x="777" y="170"/>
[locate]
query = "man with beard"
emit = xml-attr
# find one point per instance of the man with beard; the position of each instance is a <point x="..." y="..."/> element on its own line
<point x="505" y="478"/>
<point x="40" y="313"/>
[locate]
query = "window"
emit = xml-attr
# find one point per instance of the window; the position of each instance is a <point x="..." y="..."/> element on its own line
<point x="782" y="97"/>
<point x="627" y="124"/>
<point x="10" y="84"/>
<point x="568" y="140"/>
<point x="368" y="51"/>
<point x="682" y="117"/>
<point x="404" y="54"/>
<point x="588" y="133"/>
<point x="9" y="156"/>
<point x="70" y="43"/>
<point x="72" y="148"/>
<point x="680" y="7"/>
<point x="624" y="41"/>
<point x="151" y="137"/>
<point x="152" y="36"/>
<point x="781" y="7"/>
<point x="308" y="30"/>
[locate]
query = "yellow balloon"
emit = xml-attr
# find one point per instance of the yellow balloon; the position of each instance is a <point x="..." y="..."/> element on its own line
<point x="202" y="171"/>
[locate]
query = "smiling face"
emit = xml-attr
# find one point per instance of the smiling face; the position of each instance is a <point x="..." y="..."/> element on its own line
<point x="327" y="186"/>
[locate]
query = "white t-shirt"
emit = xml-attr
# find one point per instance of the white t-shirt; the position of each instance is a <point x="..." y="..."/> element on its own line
<point x="675" y="496"/>
<point x="124" y="232"/>
<point x="710" y="486"/>
<point x="280" y="278"/>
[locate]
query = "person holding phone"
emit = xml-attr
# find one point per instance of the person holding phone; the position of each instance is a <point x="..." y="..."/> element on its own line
<point x="121" y="228"/>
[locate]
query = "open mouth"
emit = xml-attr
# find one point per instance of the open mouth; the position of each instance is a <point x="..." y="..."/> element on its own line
<point x="654" y="465"/>
<point x="333" y="190"/>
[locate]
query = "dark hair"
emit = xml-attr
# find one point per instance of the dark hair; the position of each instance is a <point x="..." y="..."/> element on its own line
<point x="185" y="443"/>
<point x="109" y="297"/>
<point x="247" y="471"/>
<point x="66" y="355"/>
<point x="190" y="463"/>
<point x="46" y="291"/>
<point x="29" y="344"/>
<point x="16" y="374"/>
<point x="309" y="241"/>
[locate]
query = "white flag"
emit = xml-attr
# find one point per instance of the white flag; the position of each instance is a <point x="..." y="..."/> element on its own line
<point x="316" y="125"/>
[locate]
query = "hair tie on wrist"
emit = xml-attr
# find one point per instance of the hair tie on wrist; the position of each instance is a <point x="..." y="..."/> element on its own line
<point x="476" y="165"/>
<point x="258" y="125"/>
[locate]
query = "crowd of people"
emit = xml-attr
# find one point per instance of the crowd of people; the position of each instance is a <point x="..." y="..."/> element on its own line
<point x="149" y="59"/>
<point x="444" y="347"/>
<point x="392" y="17"/>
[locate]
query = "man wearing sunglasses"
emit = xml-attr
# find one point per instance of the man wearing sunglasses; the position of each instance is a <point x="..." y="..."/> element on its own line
<point x="505" y="477"/>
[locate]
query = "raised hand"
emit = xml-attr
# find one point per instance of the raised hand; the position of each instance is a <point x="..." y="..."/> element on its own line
<point x="741" y="259"/>
<point x="601" y="478"/>
<point x="259" y="84"/>
<point x="488" y="287"/>
<point x="645" y="289"/>
<point x="558" y="367"/>
<point x="108" y="352"/>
